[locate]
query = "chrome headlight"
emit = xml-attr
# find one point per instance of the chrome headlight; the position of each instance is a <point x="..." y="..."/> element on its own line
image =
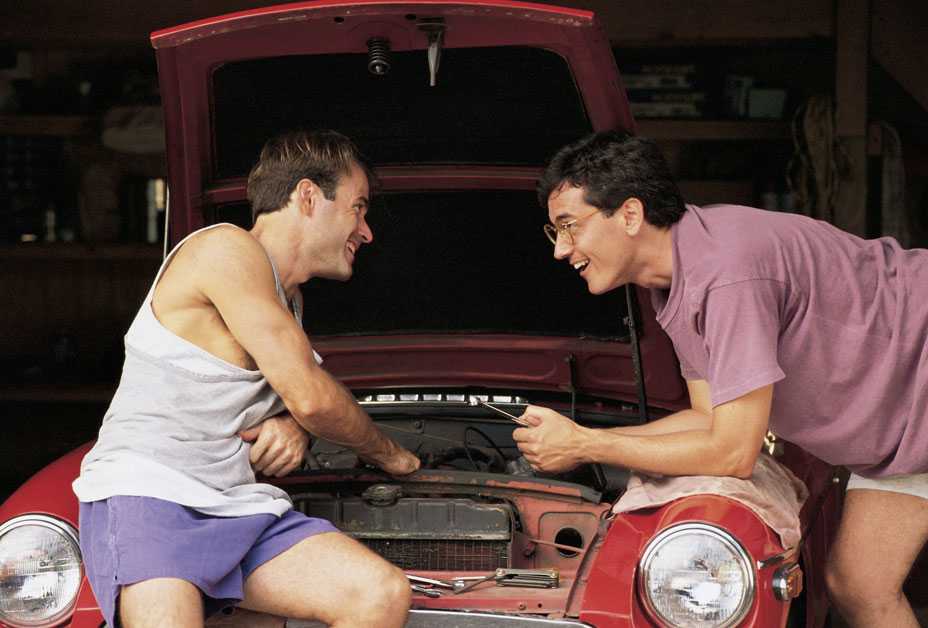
<point x="40" y="571"/>
<point x="696" y="575"/>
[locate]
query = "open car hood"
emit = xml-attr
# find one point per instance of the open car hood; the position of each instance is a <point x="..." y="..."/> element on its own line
<point x="219" y="107"/>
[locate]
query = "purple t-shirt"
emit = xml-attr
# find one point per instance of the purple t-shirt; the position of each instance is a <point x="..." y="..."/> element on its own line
<point x="838" y="324"/>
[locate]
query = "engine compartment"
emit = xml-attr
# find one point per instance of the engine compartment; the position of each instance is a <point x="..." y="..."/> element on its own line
<point x="474" y="506"/>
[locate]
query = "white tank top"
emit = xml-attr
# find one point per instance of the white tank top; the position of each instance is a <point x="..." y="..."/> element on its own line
<point x="171" y="430"/>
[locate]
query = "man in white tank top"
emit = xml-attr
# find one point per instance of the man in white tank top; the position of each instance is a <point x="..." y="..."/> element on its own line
<point x="229" y="296"/>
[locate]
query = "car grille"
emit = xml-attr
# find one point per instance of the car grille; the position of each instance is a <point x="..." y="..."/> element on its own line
<point x="440" y="555"/>
<point x="453" y="534"/>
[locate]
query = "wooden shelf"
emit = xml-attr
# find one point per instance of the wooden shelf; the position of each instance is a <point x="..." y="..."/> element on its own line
<point x="712" y="130"/>
<point x="67" y="393"/>
<point x="49" y="126"/>
<point x="80" y="251"/>
<point x="702" y="191"/>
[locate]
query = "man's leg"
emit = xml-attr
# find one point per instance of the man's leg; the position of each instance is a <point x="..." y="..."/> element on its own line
<point x="880" y="536"/>
<point x="331" y="578"/>
<point x="160" y="602"/>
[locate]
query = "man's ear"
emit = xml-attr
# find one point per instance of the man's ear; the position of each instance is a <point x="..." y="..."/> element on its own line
<point x="632" y="213"/>
<point x="305" y="195"/>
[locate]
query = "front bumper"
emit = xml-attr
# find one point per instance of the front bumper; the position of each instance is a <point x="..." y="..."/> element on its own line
<point x="460" y="619"/>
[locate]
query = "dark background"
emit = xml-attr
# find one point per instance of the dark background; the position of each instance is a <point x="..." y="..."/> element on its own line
<point x="68" y="304"/>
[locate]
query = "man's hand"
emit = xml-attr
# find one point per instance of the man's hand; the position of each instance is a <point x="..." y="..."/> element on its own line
<point x="277" y="445"/>
<point x="552" y="443"/>
<point x="395" y="460"/>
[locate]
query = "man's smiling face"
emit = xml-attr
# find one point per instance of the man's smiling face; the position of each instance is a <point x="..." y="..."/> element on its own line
<point x="344" y="222"/>
<point x="597" y="246"/>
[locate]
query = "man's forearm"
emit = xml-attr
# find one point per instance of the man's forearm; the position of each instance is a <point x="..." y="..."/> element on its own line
<point x="335" y="416"/>
<point x="692" y="452"/>
<point x="682" y="421"/>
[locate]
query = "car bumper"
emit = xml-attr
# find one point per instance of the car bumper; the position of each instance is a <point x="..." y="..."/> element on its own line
<point x="458" y="619"/>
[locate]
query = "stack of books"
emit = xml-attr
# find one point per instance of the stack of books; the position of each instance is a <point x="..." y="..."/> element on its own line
<point x="664" y="90"/>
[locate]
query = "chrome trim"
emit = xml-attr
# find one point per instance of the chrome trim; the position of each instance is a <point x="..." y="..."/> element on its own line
<point x="44" y="521"/>
<point x="463" y="619"/>
<point x="57" y="525"/>
<point x="787" y="582"/>
<point x="446" y="399"/>
<point x="776" y="559"/>
<point x="644" y="565"/>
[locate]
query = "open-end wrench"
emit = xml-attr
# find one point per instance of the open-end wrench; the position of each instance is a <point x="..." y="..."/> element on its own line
<point x="460" y="586"/>
<point x="532" y="578"/>
<point x="432" y="581"/>
<point x="433" y="593"/>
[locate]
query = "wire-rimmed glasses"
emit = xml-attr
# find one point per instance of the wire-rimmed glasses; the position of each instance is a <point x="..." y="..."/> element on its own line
<point x="566" y="228"/>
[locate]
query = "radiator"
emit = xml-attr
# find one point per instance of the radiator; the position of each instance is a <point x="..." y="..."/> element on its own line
<point x="423" y="533"/>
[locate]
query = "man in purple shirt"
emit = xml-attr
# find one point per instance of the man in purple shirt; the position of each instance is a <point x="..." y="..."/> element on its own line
<point x="780" y="322"/>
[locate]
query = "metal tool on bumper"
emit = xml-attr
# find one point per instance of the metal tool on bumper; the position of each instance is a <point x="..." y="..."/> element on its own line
<point x="427" y="592"/>
<point x="531" y="578"/>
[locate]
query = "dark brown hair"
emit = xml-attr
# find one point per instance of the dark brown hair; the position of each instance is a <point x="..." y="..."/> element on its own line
<point x="321" y="156"/>
<point x="612" y="166"/>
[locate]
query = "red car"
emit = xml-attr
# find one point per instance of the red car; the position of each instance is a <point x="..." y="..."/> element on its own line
<point x="457" y="301"/>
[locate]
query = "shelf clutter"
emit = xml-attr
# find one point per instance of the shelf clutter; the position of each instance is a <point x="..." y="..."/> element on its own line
<point x="78" y="251"/>
<point x="710" y="130"/>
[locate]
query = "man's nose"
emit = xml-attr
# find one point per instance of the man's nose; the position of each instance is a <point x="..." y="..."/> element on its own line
<point x="562" y="247"/>
<point x="364" y="230"/>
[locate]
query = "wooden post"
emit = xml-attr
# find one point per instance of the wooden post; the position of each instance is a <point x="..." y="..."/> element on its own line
<point x="852" y="43"/>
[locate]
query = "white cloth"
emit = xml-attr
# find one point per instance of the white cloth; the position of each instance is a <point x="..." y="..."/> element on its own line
<point x="915" y="484"/>
<point x="773" y="493"/>
<point x="172" y="429"/>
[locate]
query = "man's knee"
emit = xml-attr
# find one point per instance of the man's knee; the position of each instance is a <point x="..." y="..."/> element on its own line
<point x="388" y="594"/>
<point x="853" y="591"/>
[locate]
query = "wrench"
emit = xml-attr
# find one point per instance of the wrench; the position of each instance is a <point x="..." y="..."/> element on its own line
<point x="432" y="593"/>
<point x="431" y="581"/>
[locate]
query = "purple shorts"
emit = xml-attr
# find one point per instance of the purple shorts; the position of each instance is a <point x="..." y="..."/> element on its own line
<point x="127" y="539"/>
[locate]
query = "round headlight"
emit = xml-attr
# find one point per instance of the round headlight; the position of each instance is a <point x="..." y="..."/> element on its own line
<point x="696" y="575"/>
<point x="40" y="571"/>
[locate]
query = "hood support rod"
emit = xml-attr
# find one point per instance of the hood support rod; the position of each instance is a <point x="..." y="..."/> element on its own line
<point x="632" y="306"/>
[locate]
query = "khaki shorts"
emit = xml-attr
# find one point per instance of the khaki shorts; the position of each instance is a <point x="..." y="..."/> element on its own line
<point x="916" y="484"/>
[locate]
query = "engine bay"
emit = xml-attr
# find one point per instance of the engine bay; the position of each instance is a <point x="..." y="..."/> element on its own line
<point x="476" y="505"/>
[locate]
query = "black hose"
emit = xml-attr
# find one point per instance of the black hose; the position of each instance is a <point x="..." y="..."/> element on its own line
<point x="480" y="432"/>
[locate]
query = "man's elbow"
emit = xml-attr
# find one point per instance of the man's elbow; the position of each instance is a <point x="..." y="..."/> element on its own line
<point x="739" y="465"/>
<point x="312" y="408"/>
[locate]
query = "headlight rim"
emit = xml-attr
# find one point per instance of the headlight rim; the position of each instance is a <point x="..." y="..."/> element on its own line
<point x="721" y="534"/>
<point x="55" y="524"/>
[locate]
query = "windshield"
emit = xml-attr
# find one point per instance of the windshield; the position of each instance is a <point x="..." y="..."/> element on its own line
<point x="456" y="261"/>
<point x="501" y="105"/>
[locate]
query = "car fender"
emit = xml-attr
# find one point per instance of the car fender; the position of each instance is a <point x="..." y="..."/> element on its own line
<point x="611" y="598"/>
<point x="49" y="492"/>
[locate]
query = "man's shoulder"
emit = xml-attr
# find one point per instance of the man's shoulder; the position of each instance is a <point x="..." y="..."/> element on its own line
<point x="722" y="244"/>
<point x="222" y="239"/>
<point x="224" y="256"/>
<point x="223" y="250"/>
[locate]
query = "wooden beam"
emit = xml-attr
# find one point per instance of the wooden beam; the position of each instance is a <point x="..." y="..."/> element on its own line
<point x="899" y="44"/>
<point x="696" y="130"/>
<point x="96" y="23"/>
<point x="852" y="46"/>
<point x="709" y="21"/>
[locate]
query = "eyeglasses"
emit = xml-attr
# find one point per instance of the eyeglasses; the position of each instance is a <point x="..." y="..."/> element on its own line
<point x="567" y="228"/>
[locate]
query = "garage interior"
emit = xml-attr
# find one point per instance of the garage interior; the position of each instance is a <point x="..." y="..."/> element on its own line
<point x="753" y="102"/>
